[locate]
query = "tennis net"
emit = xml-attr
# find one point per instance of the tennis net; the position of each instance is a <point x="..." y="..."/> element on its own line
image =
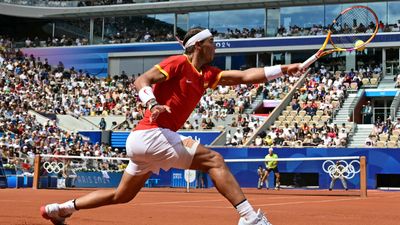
<point x="313" y="173"/>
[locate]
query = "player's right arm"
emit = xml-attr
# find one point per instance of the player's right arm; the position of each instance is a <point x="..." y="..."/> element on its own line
<point x="143" y="86"/>
<point x="257" y="75"/>
<point x="152" y="76"/>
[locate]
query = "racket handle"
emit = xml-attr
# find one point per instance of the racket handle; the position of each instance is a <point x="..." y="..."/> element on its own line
<point x="308" y="62"/>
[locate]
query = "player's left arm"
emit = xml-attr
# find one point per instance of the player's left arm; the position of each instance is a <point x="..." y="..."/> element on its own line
<point x="257" y="75"/>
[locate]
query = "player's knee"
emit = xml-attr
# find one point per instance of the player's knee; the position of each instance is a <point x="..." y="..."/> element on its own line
<point x="218" y="160"/>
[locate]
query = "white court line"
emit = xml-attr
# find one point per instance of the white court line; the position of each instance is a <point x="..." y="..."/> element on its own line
<point x="255" y="205"/>
<point x="5" y="200"/>
<point x="304" y="202"/>
<point x="178" y="202"/>
<point x="270" y="204"/>
<point x="216" y="200"/>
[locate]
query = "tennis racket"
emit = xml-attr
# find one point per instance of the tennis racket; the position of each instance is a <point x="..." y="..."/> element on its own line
<point x="351" y="30"/>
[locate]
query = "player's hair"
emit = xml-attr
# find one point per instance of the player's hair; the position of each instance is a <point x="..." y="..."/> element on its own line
<point x="188" y="35"/>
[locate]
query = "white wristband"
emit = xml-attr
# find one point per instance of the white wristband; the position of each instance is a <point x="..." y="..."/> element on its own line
<point x="273" y="72"/>
<point x="146" y="94"/>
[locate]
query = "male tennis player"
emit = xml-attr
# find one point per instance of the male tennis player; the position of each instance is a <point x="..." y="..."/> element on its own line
<point x="178" y="84"/>
<point x="272" y="166"/>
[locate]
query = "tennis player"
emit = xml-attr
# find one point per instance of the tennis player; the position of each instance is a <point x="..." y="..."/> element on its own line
<point x="272" y="166"/>
<point x="178" y="84"/>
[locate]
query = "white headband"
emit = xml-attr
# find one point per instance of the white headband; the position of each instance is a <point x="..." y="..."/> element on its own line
<point x="198" y="37"/>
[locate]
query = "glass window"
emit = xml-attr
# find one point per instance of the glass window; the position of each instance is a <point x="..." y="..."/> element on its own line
<point x="392" y="61"/>
<point x="182" y="21"/>
<point x="394" y="13"/>
<point x="301" y="17"/>
<point x="219" y="61"/>
<point x="331" y="12"/>
<point x="301" y="56"/>
<point x="73" y="29"/>
<point x="199" y="19"/>
<point x="380" y="8"/>
<point x="243" y="61"/>
<point x="370" y="57"/>
<point x="272" y="22"/>
<point x="278" y="58"/>
<point x="264" y="59"/>
<point x="238" y="23"/>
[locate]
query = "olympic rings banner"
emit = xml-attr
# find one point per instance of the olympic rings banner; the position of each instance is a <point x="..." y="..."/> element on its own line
<point x="341" y="169"/>
<point x="53" y="167"/>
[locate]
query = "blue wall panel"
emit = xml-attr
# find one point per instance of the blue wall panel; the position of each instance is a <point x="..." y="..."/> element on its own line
<point x="94" y="136"/>
<point x="118" y="139"/>
<point x="379" y="161"/>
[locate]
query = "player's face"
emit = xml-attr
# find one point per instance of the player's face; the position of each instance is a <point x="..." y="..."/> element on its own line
<point x="208" y="49"/>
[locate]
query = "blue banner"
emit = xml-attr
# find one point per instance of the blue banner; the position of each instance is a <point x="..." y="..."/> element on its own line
<point x="96" y="179"/>
<point x="380" y="93"/>
<point x="94" y="136"/>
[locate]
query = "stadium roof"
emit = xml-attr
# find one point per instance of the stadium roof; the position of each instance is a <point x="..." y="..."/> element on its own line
<point x="155" y="8"/>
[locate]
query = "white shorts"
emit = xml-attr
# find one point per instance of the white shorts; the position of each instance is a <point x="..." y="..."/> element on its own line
<point x="158" y="148"/>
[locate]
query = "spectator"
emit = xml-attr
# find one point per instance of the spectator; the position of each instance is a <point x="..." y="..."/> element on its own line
<point x="102" y="124"/>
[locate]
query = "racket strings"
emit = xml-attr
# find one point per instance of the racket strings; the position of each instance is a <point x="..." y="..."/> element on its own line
<point x="350" y="25"/>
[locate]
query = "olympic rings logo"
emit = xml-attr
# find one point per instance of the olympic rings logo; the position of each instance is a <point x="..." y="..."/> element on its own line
<point x="53" y="167"/>
<point x="343" y="169"/>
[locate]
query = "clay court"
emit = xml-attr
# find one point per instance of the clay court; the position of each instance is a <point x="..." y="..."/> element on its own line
<point x="167" y="206"/>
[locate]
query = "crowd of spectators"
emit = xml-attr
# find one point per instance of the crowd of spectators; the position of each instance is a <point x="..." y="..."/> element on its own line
<point x="384" y="134"/>
<point x="307" y="121"/>
<point x="215" y="105"/>
<point x="45" y="89"/>
<point x="27" y="84"/>
<point x="246" y="125"/>
<point x="318" y="29"/>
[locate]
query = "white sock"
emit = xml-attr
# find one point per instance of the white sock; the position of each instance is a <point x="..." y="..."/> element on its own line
<point x="246" y="210"/>
<point x="68" y="207"/>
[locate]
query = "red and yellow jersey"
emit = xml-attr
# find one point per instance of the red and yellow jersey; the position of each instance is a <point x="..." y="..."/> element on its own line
<point x="181" y="91"/>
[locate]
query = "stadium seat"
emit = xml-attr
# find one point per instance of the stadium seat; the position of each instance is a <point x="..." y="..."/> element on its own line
<point x="394" y="138"/>
<point x="381" y="144"/>
<point x="383" y="137"/>
<point x="374" y="81"/>
<point x="289" y="119"/>
<point x="293" y="113"/>
<point x="365" y="81"/>
<point x="307" y="119"/>
<point x="302" y="113"/>
<point x="392" y="144"/>
<point x="319" y="113"/>
<point x="376" y="75"/>
<point x="354" y="86"/>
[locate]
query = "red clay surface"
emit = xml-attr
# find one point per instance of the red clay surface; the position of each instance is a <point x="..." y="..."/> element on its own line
<point x="207" y="207"/>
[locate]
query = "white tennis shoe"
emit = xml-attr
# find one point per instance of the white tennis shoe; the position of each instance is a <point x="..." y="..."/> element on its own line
<point x="53" y="213"/>
<point x="260" y="219"/>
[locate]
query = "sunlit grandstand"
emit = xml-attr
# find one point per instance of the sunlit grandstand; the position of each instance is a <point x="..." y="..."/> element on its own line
<point x="68" y="99"/>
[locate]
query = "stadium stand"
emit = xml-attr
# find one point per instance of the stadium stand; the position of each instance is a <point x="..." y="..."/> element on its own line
<point x="307" y="120"/>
